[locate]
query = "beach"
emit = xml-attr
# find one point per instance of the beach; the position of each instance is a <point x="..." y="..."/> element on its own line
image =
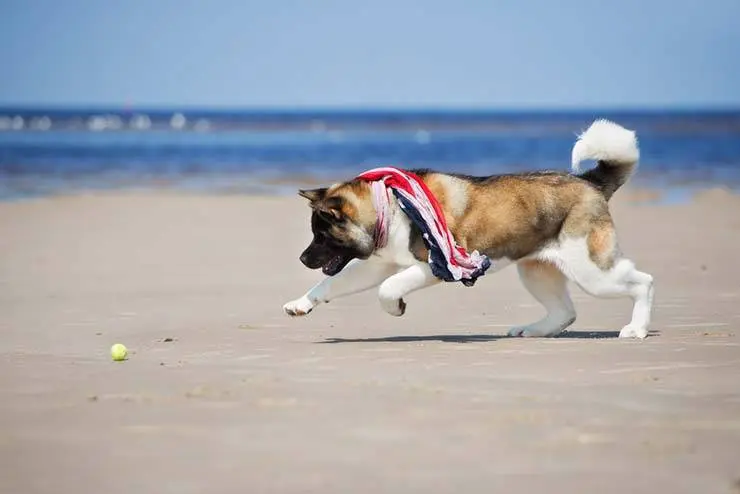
<point x="222" y="392"/>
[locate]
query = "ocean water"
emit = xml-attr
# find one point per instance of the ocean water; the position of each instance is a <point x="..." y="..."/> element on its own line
<point x="49" y="151"/>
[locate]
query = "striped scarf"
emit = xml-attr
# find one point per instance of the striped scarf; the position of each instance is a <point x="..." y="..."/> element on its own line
<point x="449" y="261"/>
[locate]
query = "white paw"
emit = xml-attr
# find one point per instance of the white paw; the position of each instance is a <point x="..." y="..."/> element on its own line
<point x="544" y="328"/>
<point x="538" y="330"/>
<point x="630" y="331"/>
<point x="298" y="307"/>
<point x="393" y="306"/>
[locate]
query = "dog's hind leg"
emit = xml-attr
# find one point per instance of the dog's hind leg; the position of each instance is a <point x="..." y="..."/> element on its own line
<point x="357" y="276"/>
<point x="549" y="286"/>
<point x="616" y="278"/>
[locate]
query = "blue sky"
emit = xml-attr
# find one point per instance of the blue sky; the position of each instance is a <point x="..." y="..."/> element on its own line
<point x="287" y="53"/>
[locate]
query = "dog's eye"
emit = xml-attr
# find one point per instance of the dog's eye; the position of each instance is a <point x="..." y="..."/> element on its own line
<point x="325" y="216"/>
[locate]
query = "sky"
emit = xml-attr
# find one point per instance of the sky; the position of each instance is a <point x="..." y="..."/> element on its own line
<point x="372" y="53"/>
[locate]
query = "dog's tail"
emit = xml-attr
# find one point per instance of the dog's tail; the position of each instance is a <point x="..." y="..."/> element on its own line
<point x="615" y="150"/>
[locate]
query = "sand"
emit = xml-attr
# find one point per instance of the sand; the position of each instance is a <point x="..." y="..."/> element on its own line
<point x="223" y="393"/>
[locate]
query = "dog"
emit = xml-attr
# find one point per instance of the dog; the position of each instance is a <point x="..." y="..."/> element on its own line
<point x="555" y="226"/>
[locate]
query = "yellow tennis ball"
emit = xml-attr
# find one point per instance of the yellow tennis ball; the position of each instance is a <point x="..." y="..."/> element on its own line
<point x="118" y="352"/>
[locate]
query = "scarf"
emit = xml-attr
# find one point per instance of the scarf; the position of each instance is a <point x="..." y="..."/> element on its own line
<point x="449" y="261"/>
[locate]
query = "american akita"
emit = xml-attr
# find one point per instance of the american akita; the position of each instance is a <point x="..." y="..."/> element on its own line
<point x="555" y="226"/>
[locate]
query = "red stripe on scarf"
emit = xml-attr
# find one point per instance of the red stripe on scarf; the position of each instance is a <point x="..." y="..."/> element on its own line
<point x="393" y="180"/>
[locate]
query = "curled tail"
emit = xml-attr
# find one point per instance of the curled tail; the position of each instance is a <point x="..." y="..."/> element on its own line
<point x="615" y="150"/>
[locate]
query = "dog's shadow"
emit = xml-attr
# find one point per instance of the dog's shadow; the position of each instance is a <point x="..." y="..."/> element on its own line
<point x="445" y="338"/>
<point x="473" y="338"/>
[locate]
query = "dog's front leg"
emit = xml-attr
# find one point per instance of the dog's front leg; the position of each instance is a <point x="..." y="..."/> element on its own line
<point x="357" y="276"/>
<point x="392" y="290"/>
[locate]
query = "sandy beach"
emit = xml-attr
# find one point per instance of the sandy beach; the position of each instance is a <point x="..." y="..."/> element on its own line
<point x="223" y="393"/>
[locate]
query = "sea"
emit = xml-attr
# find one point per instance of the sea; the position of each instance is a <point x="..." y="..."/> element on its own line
<point x="50" y="151"/>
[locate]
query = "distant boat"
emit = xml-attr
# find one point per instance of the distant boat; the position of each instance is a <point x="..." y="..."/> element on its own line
<point x="96" y="123"/>
<point x="178" y="121"/>
<point x="17" y="123"/>
<point x="140" y="122"/>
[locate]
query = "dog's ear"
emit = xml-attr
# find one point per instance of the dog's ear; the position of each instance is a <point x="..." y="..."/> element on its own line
<point x="333" y="207"/>
<point x="313" y="195"/>
<point x="330" y="209"/>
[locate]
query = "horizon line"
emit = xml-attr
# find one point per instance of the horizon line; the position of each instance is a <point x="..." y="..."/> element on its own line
<point x="341" y="108"/>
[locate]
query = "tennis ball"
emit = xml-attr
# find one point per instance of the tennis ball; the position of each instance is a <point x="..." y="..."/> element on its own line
<point x="118" y="352"/>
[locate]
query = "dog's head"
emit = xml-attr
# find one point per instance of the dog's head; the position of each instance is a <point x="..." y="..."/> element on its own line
<point x="342" y="223"/>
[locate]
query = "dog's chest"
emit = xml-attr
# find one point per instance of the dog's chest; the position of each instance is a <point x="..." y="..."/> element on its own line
<point x="397" y="250"/>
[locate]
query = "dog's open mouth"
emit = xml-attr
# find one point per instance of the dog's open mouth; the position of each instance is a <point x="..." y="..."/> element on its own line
<point x="336" y="264"/>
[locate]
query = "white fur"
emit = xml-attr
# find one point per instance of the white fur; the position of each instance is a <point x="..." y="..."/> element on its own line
<point x="571" y="257"/>
<point x="393" y="289"/>
<point x="357" y="276"/>
<point x="607" y="141"/>
<point x="549" y="286"/>
<point x="396" y="250"/>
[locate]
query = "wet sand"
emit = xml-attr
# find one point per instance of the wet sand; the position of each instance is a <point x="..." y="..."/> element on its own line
<point x="223" y="393"/>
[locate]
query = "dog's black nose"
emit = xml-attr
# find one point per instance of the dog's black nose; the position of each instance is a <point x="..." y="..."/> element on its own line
<point x="304" y="259"/>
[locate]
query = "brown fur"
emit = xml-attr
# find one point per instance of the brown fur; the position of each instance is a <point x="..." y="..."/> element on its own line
<point x="601" y="244"/>
<point x="514" y="215"/>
